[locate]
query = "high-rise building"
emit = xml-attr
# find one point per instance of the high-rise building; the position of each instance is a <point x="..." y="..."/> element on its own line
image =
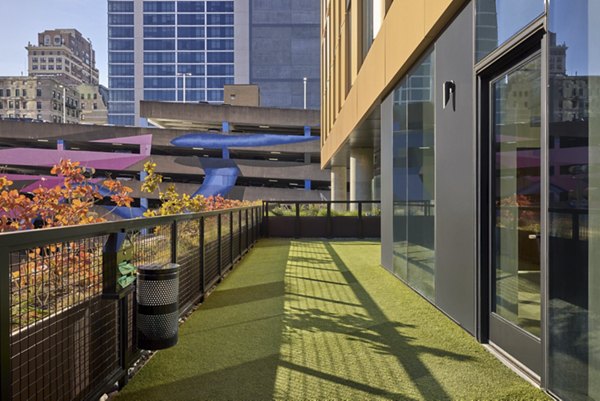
<point x="189" y="50"/>
<point x="63" y="53"/>
<point x="284" y="49"/>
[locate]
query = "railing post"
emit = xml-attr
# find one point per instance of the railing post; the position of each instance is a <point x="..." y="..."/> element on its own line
<point x="241" y="249"/>
<point x="257" y="222"/>
<point x="231" y="238"/>
<point x="247" y="245"/>
<point x="265" y="219"/>
<point x="329" y="221"/>
<point x="174" y="241"/>
<point x="219" y="247"/>
<point x="297" y="220"/>
<point x="124" y="340"/>
<point x="361" y="233"/>
<point x="202" y="261"/>
<point x="5" y="371"/>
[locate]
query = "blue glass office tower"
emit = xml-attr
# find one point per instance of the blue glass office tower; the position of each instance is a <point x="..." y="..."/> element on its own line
<point x="158" y="48"/>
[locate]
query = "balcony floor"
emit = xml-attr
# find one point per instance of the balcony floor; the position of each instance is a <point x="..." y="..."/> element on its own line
<point x="300" y="319"/>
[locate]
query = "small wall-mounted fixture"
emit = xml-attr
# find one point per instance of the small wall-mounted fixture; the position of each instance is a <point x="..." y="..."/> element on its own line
<point x="449" y="93"/>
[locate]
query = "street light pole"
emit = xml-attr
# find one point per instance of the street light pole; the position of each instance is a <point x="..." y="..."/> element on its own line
<point x="64" y="105"/>
<point x="305" y="79"/>
<point x="183" y="75"/>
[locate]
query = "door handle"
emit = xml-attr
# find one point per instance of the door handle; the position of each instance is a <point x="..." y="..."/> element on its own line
<point x="534" y="236"/>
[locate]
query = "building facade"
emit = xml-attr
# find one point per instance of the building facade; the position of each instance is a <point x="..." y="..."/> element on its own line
<point x="284" y="49"/>
<point x="94" y="104"/>
<point x="475" y="123"/>
<point x="187" y="51"/>
<point x="41" y="99"/>
<point x="63" y="53"/>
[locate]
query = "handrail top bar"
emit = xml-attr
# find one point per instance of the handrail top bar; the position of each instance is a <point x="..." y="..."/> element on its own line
<point x="22" y="239"/>
<point x="323" y="202"/>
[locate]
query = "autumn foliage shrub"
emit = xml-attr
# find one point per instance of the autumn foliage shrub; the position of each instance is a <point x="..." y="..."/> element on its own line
<point x="50" y="278"/>
<point x="63" y="205"/>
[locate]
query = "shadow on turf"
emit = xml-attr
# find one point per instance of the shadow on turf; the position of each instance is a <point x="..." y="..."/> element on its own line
<point x="380" y="333"/>
<point x="257" y="379"/>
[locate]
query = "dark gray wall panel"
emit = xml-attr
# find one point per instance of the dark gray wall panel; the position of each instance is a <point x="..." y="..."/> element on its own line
<point x="456" y="176"/>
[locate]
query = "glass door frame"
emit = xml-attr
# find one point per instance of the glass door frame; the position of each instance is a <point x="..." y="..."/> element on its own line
<point x="521" y="349"/>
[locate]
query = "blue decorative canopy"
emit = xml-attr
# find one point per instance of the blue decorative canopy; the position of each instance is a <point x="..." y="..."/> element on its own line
<point x="220" y="141"/>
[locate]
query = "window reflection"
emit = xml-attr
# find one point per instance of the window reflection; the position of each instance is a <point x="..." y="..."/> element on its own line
<point x="517" y="195"/>
<point x="413" y="175"/>
<point x="574" y="197"/>
<point x="498" y="20"/>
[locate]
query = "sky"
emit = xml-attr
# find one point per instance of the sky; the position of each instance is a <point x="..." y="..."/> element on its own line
<point x="23" y="19"/>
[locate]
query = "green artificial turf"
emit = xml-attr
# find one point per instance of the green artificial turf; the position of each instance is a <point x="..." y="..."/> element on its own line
<point x="320" y="320"/>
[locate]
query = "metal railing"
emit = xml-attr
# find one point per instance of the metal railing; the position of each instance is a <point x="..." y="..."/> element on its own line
<point x="327" y="219"/>
<point x="68" y="326"/>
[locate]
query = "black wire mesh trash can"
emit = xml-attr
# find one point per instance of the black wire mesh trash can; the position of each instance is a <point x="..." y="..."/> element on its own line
<point x="157" y="306"/>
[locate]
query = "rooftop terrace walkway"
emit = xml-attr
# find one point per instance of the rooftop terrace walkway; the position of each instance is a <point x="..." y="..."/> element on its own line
<point x="321" y="320"/>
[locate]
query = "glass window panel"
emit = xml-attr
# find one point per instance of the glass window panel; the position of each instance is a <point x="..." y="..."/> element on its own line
<point x="190" y="6"/>
<point x="120" y="44"/>
<point x="121" y="107"/>
<point x="499" y="20"/>
<point x="367" y="21"/>
<point x="120" y="6"/>
<point x="120" y="70"/>
<point x="120" y="57"/>
<point x="193" y="95"/>
<point x="190" y="19"/>
<point x="190" y="32"/>
<point x="190" y="44"/>
<point x="159" y="19"/>
<point x="214" y="95"/>
<point x="193" y="69"/>
<point x="121" y="120"/>
<point x="191" y="57"/>
<point x="159" y="32"/>
<point x="219" y="44"/>
<point x="115" y="83"/>
<point x="220" y="69"/>
<point x="159" y="69"/>
<point x="413" y="178"/>
<point x="159" y="44"/>
<point x="219" y="19"/>
<point x="160" y="95"/>
<point x="219" y="82"/>
<point x="120" y="32"/>
<point x="121" y="95"/>
<point x="574" y="199"/>
<point x="219" y="57"/>
<point x="159" y="57"/>
<point x="517" y="173"/>
<point x="219" y="32"/>
<point x="120" y="19"/>
<point x="159" y="82"/>
<point x="159" y="6"/>
<point x="192" y="82"/>
<point x="219" y="6"/>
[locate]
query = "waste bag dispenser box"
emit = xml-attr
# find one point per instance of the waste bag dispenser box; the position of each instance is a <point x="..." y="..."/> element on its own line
<point x="157" y="306"/>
